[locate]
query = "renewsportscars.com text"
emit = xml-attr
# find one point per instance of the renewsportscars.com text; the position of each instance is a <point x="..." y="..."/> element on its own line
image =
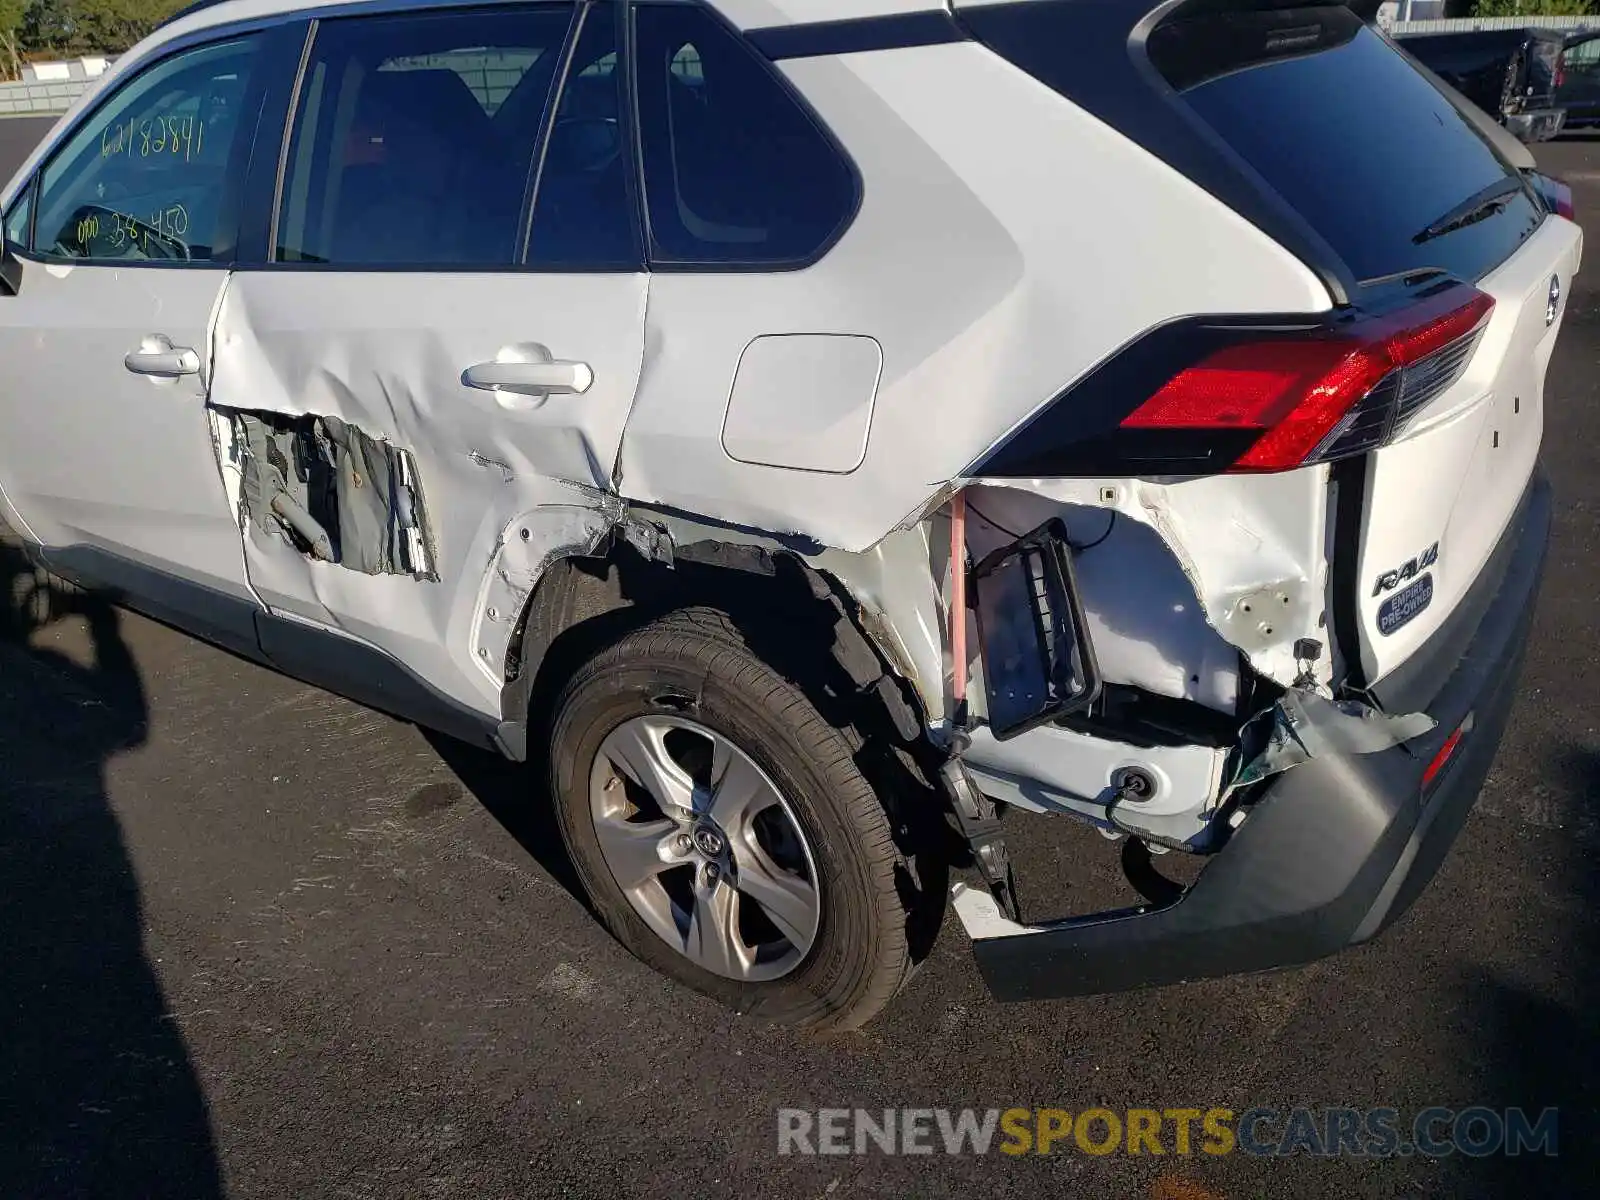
<point x="1326" y="1132"/>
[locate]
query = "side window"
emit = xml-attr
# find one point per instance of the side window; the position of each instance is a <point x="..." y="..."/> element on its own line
<point x="146" y="177"/>
<point x="17" y="220"/>
<point x="1583" y="56"/>
<point x="736" y="170"/>
<point x="584" y="216"/>
<point x="413" y="137"/>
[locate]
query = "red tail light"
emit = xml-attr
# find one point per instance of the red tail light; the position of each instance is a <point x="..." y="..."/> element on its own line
<point x="1561" y="195"/>
<point x="1304" y="394"/>
<point x="1561" y="69"/>
<point x="1556" y="195"/>
<point x="1446" y="753"/>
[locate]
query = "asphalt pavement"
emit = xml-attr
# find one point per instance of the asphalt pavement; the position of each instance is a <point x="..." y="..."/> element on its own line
<point x="256" y="941"/>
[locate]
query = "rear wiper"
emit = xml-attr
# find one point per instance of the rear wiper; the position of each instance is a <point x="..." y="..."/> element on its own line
<point x="1483" y="203"/>
<point x="1410" y="277"/>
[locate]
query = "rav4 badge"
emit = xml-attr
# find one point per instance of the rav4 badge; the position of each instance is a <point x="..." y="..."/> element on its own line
<point x="1409" y="569"/>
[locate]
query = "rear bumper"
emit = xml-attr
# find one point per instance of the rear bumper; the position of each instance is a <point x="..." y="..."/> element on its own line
<point x="1539" y="125"/>
<point x="1332" y="854"/>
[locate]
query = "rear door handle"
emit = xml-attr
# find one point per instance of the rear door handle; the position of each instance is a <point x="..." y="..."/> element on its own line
<point x="529" y="370"/>
<point x="157" y="356"/>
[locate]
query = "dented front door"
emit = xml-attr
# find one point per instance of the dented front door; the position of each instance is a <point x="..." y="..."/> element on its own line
<point x="105" y="347"/>
<point x="403" y="390"/>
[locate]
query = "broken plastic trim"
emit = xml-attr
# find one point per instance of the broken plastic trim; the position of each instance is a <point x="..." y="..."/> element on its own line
<point x="1303" y="725"/>
<point x="1038" y="662"/>
<point x="335" y="493"/>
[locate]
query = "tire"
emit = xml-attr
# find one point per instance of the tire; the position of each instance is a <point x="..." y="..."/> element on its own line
<point x="34" y="597"/>
<point x="693" y="669"/>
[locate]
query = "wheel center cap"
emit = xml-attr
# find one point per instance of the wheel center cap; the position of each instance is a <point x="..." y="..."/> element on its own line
<point x="709" y="841"/>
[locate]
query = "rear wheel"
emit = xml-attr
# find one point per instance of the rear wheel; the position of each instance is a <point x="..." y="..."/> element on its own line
<point x="723" y="829"/>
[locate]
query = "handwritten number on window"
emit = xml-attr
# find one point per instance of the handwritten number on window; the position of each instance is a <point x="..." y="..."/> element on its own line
<point x="153" y="136"/>
<point x="167" y="225"/>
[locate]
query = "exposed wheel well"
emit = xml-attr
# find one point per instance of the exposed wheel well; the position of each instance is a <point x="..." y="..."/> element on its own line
<point x="796" y="619"/>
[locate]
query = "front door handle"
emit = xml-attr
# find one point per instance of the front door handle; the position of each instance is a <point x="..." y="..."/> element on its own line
<point x="529" y="370"/>
<point x="157" y="356"/>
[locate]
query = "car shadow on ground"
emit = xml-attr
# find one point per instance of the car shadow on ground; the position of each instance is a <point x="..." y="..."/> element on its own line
<point x="516" y="795"/>
<point x="1529" y="1050"/>
<point x="98" y="1096"/>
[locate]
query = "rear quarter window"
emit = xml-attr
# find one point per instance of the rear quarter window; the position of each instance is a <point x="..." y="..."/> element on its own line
<point x="1335" y="120"/>
<point x="737" y="171"/>
<point x="1305" y="121"/>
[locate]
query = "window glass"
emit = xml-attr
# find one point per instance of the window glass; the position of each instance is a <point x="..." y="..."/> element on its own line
<point x="413" y="137"/>
<point x="584" y="217"/>
<point x="490" y="75"/>
<point x="144" y="177"/>
<point x="17" y="220"/>
<point x="736" y="169"/>
<point x="686" y="64"/>
<point x="1329" y="117"/>
<point x="1583" y="56"/>
<point x="1371" y="178"/>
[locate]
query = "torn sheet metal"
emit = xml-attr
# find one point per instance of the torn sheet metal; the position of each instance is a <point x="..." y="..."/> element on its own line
<point x="1253" y="548"/>
<point x="335" y="493"/>
<point x="897" y="593"/>
<point x="978" y="331"/>
<point x="1148" y="628"/>
<point x="1304" y="725"/>
<point x="569" y="521"/>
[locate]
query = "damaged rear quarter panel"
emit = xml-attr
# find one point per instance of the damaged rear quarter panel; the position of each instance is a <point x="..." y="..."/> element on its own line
<point x="1253" y="546"/>
<point x="386" y="352"/>
<point x="991" y="279"/>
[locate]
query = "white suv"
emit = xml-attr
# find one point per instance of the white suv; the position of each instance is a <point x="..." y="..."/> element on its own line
<point x="615" y="384"/>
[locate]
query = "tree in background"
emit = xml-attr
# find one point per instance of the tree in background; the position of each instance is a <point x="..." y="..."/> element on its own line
<point x="114" y="25"/>
<point x="47" y="27"/>
<point x="31" y="29"/>
<point x="1534" y="8"/>
<point x="11" y="14"/>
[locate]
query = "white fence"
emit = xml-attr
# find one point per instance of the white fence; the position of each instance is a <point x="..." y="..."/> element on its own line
<point x="51" y="87"/>
<point x="40" y="99"/>
<point x="1468" y="24"/>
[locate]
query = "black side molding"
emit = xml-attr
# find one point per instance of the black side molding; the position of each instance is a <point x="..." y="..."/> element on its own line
<point x="212" y="616"/>
<point x="317" y="656"/>
<point x="368" y="676"/>
<point x="856" y="34"/>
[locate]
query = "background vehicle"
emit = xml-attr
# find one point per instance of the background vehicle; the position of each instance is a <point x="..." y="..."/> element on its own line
<point x="712" y="412"/>
<point x="1513" y="74"/>
<point x="1579" y="92"/>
